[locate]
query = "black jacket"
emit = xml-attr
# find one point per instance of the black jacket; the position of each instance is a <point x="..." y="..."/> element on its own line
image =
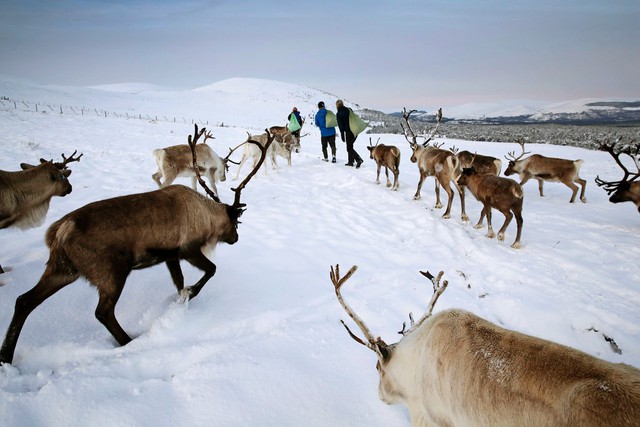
<point x="343" y="122"/>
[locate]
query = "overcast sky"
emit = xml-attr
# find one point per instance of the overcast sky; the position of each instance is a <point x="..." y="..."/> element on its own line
<point x="381" y="54"/>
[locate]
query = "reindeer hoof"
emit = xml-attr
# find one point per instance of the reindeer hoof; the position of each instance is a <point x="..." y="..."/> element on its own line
<point x="500" y="237"/>
<point x="583" y="199"/>
<point x="477" y="226"/>
<point x="438" y="206"/>
<point x="446" y="216"/>
<point x="491" y="235"/>
<point x="416" y="197"/>
<point x="516" y="245"/>
<point x="465" y="218"/>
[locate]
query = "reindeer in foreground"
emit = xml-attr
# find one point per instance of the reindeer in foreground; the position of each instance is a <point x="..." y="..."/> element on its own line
<point x="177" y="161"/>
<point x="547" y="169"/>
<point x="433" y="161"/>
<point x="493" y="191"/>
<point x="482" y="164"/>
<point x="627" y="189"/>
<point x="105" y="240"/>
<point x="25" y="195"/>
<point x="457" y="369"/>
<point x="389" y="157"/>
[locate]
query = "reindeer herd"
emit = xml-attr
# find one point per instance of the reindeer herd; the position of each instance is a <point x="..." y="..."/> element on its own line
<point x="450" y="369"/>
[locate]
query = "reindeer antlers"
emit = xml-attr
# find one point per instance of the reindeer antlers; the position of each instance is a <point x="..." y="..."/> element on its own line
<point x="263" y="155"/>
<point x="612" y="186"/>
<point x="378" y="345"/>
<point x="512" y="154"/>
<point x="409" y="133"/>
<point x="193" y="140"/>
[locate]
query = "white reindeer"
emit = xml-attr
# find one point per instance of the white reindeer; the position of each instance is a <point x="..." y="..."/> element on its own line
<point x="457" y="369"/>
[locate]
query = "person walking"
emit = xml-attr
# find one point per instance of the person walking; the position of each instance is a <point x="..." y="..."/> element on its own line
<point x="327" y="134"/>
<point x="346" y="135"/>
<point x="296" y="125"/>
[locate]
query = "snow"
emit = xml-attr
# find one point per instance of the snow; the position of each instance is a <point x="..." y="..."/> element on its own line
<point x="262" y="343"/>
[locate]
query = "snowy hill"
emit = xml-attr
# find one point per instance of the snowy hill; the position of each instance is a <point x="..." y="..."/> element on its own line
<point x="262" y="344"/>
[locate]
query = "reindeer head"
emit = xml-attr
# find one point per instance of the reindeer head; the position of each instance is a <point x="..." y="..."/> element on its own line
<point x="513" y="160"/>
<point x="389" y="367"/>
<point x="371" y="147"/>
<point x="411" y="136"/>
<point x="620" y="191"/>
<point x="58" y="172"/>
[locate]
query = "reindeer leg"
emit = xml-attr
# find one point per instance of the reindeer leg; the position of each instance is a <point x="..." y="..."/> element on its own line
<point x="481" y="220"/>
<point x="396" y="184"/>
<point x="464" y="216"/>
<point x="574" y="190"/>
<point x="583" y="184"/>
<point x="540" y="184"/>
<point x="203" y="263"/>
<point x="508" y="216"/>
<point x="519" y="221"/>
<point x="156" y="177"/>
<point x="176" y="273"/>
<point x="105" y="311"/>
<point x="378" y="174"/>
<point x="449" y="191"/>
<point x="490" y="233"/>
<point x="438" y="204"/>
<point x="423" y="175"/>
<point x="56" y="276"/>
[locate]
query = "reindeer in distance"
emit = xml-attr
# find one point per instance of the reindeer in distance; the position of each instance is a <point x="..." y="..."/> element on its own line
<point x="387" y="156"/>
<point x="177" y="161"/>
<point x="436" y="162"/>
<point x="626" y="189"/>
<point x="457" y="369"/>
<point x="105" y="240"/>
<point x="25" y="195"/>
<point x="549" y="169"/>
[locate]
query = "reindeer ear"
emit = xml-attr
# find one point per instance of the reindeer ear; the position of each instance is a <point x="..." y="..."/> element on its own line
<point x="66" y="172"/>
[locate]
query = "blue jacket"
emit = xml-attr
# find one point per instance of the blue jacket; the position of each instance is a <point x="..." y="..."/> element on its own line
<point x="321" y="121"/>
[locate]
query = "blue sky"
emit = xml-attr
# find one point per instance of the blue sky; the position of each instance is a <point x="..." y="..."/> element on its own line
<point x="381" y="54"/>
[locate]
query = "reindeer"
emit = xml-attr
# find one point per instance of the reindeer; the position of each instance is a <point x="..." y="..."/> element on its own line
<point x="433" y="161"/>
<point x="627" y="189"/>
<point x="105" y="240"/>
<point x="493" y="191"/>
<point x="176" y="161"/>
<point x="289" y="140"/>
<point x="482" y="164"/>
<point x="387" y="156"/>
<point x="457" y="369"/>
<point x="25" y="195"/>
<point x="547" y="169"/>
<point x="275" y="149"/>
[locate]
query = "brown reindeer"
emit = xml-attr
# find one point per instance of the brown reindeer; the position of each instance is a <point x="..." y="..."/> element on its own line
<point x="496" y="192"/>
<point x="389" y="157"/>
<point x="177" y="161"/>
<point x="627" y="189"/>
<point x="434" y="161"/>
<point x="105" y="240"/>
<point x="482" y="164"/>
<point x="25" y="195"/>
<point x="549" y="169"/>
<point x="457" y="369"/>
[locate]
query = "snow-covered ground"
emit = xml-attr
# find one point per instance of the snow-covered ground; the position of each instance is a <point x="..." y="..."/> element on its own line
<point x="262" y="344"/>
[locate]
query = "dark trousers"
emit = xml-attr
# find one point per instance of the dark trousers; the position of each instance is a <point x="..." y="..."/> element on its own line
<point x="353" y="156"/>
<point x="331" y="141"/>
